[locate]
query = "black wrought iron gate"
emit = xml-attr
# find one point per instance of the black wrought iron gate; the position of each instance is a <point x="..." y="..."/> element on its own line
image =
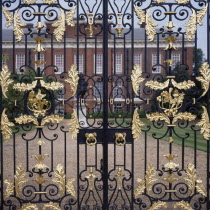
<point x="104" y="104"/>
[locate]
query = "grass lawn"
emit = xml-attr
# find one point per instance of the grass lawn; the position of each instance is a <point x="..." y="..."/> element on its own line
<point x="201" y="143"/>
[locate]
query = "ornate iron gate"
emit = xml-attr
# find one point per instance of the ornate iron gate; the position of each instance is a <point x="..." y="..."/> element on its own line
<point x="104" y="104"/>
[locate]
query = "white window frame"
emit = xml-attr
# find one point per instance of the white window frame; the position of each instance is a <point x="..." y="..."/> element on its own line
<point x="80" y="68"/>
<point x="116" y="107"/>
<point x="61" y="68"/>
<point x="41" y="59"/>
<point x="158" y="68"/>
<point x="115" y="64"/>
<point x="140" y="59"/>
<point x="173" y="55"/>
<point x="97" y="67"/>
<point x="16" y="63"/>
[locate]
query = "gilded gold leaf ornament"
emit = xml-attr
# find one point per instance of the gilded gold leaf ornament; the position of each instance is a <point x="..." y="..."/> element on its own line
<point x="29" y="1"/>
<point x="186" y="116"/>
<point x="170" y="40"/>
<point x="140" y="188"/>
<point x="200" y="188"/>
<point x="9" y="189"/>
<point x="183" y="85"/>
<point x="204" y="124"/>
<point x="6" y="126"/>
<point x="159" y="1"/>
<point x="60" y="177"/>
<point x="70" y="188"/>
<point x="74" y="125"/>
<point x="52" y="85"/>
<point x="19" y="178"/>
<point x="191" y="26"/>
<point x="59" y="27"/>
<point x="18" y="31"/>
<point x="182" y="1"/>
<point x="155" y="85"/>
<point x="39" y="47"/>
<point x="91" y="177"/>
<point x="136" y="78"/>
<point x="140" y="14"/>
<point x="5" y="80"/>
<point x="51" y="206"/>
<point x="183" y="204"/>
<point x="149" y="178"/>
<point x="49" y="1"/>
<point x="40" y="158"/>
<point x="73" y="79"/>
<point x="170" y="164"/>
<point x="156" y="116"/>
<point x="158" y="205"/>
<point x="25" y="119"/>
<point x="29" y="206"/>
<point x="22" y="87"/>
<point x="201" y="15"/>
<point x="8" y="16"/>
<point x="52" y="119"/>
<point x="136" y="125"/>
<point x="191" y="177"/>
<point x="70" y="16"/>
<point x="204" y="79"/>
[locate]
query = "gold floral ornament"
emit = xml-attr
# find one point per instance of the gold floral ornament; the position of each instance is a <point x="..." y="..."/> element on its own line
<point x="49" y="1"/>
<point x="74" y="125"/>
<point x="9" y="189"/>
<point x="183" y="205"/>
<point x="170" y="102"/>
<point x="60" y="23"/>
<point x="91" y="177"/>
<point x="170" y="164"/>
<point x="29" y="1"/>
<point x="8" y="16"/>
<point x="193" y="21"/>
<point x="158" y="205"/>
<point x="182" y="1"/>
<point x="73" y="79"/>
<point x="136" y="125"/>
<point x="6" y="126"/>
<point x="119" y="177"/>
<point x="5" y="80"/>
<point x="29" y="206"/>
<point x="60" y="179"/>
<point x="136" y="78"/>
<point x="40" y="158"/>
<point x="19" y="178"/>
<point x="204" y="124"/>
<point x="149" y="23"/>
<point x="51" y="206"/>
<point x="204" y="79"/>
<point x="147" y="183"/>
<point x="38" y="104"/>
<point x="170" y="40"/>
<point x="159" y="1"/>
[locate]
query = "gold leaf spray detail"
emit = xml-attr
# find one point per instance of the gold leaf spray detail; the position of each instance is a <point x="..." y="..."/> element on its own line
<point x="183" y="204"/>
<point x="9" y="189"/>
<point x="159" y="1"/>
<point x="8" y="16"/>
<point x="149" y="178"/>
<point x="140" y="188"/>
<point x="182" y="1"/>
<point x="73" y="79"/>
<point x="158" y="205"/>
<point x="49" y="1"/>
<point x="74" y="125"/>
<point x="136" y="78"/>
<point x="25" y="119"/>
<point x="19" y="178"/>
<point x="5" y="80"/>
<point x="6" y="126"/>
<point x="149" y="23"/>
<point x="70" y="188"/>
<point x="29" y="206"/>
<point x="52" y="119"/>
<point x="204" y="124"/>
<point x="29" y="1"/>
<point x="136" y="125"/>
<point x="51" y="206"/>
<point x="60" y="23"/>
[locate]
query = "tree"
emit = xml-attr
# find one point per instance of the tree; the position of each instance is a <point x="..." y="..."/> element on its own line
<point x="198" y="58"/>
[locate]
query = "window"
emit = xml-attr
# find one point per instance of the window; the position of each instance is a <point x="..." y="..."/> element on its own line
<point x="20" y="61"/>
<point x="117" y="92"/>
<point x="176" y="58"/>
<point x="118" y="63"/>
<point x="41" y="59"/>
<point x="137" y="59"/>
<point x="99" y="63"/>
<point x="80" y="62"/>
<point x="98" y="90"/>
<point x="4" y="60"/>
<point x="155" y="62"/>
<point x="117" y="107"/>
<point x="59" y="63"/>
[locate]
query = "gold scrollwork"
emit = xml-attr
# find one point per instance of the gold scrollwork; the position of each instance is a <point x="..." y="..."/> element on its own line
<point x="91" y="139"/>
<point x="136" y="125"/>
<point x="73" y="79"/>
<point x="193" y="21"/>
<point x="204" y="124"/>
<point x="6" y="126"/>
<point x="136" y="78"/>
<point x="52" y="119"/>
<point x="120" y="139"/>
<point x="5" y="80"/>
<point x="204" y="79"/>
<point x="74" y="125"/>
<point x="60" y="23"/>
<point x="19" y="178"/>
<point x="149" y="23"/>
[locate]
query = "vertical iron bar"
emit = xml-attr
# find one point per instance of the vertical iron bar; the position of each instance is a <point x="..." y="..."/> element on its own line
<point x="105" y="102"/>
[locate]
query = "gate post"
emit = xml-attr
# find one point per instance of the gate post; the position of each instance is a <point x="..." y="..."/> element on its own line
<point x="105" y="104"/>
